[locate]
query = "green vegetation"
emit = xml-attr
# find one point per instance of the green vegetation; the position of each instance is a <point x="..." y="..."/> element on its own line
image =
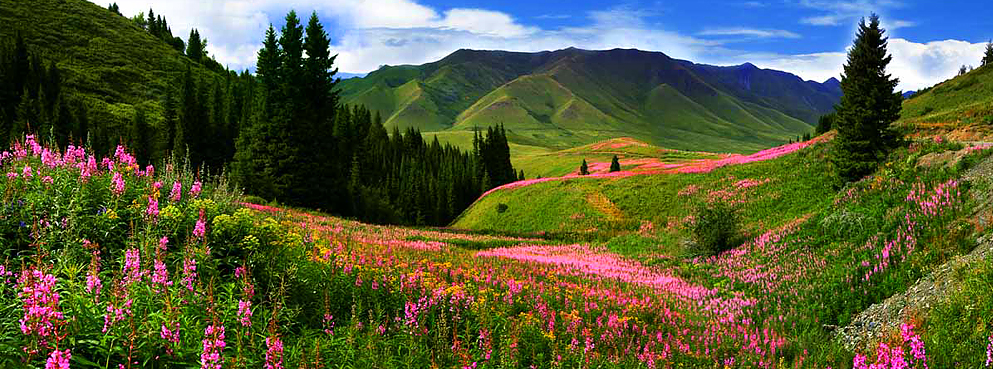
<point x="569" y="98"/>
<point x="716" y="227"/>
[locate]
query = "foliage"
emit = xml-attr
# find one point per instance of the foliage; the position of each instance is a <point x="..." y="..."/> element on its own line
<point x="717" y="227"/>
<point x="825" y="123"/>
<point x="868" y="106"/>
<point x="615" y="166"/>
<point x="584" y="169"/>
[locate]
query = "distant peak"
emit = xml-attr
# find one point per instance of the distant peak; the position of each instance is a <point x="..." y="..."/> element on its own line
<point x="832" y="82"/>
<point x="748" y="65"/>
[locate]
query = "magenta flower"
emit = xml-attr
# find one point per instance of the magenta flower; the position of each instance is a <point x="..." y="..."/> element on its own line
<point x="200" y="230"/>
<point x="93" y="284"/>
<point x="245" y="313"/>
<point x="989" y="352"/>
<point x="195" y="190"/>
<point x="47" y="180"/>
<point x="153" y="208"/>
<point x="163" y="243"/>
<point x="117" y="184"/>
<point x="149" y="171"/>
<point x="213" y="346"/>
<point x="274" y="353"/>
<point x="26" y="172"/>
<point x="132" y="267"/>
<point x="177" y="191"/>
<point x="160" y="276"/>
<point x="58" y="360"/>
<point x="40" y="303"/>
<point x="170" y="333"/>
<point x="189" y="272"/>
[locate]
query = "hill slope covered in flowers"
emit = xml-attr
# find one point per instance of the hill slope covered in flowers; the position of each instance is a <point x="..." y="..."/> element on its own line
<point x="110" y="265"/>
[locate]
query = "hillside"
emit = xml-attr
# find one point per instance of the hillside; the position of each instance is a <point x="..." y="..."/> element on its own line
<point x="572" y="97"/>
<point x="961" y="108"/>
<point x="122" y="83"/>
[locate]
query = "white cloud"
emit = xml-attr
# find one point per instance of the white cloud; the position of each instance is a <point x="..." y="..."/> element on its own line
<point x="917" y="65"/>
<point x="370" y="33"/>
<point x="749" y="32"/>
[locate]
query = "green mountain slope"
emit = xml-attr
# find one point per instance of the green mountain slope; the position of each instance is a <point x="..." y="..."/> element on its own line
<point x="961" y="107"/>
<point x="573" y="97"/>
<point x="111" y="67"/>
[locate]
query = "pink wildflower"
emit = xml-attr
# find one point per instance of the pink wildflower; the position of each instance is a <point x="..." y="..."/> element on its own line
<point x="160" y="276"/>
<point x="195" y="190"/>
<point x="153" y="208"/>
<point x="989" y="352"/>
<point x="26" y="172"/>
<point x="41" y="304"/>
<point x="47" y="180"/>
<point x="163" y="243"/>
<point x="177" y="191"/>
<point x="117" y="184"/>
<point x="200" y="229"/>
<point x="58" y="360"/>
<point x="170" y="333"/>
<point x="132" y="267"/>
<point x="213" y="345"/>
<point x="189" y="272"/>
<point x="245" y="313"/>
<point x="274" y="353"/>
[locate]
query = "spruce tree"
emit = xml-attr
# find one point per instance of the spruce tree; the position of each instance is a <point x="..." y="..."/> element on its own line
<point x="988" y="55"/>
<point x="868" y="107"/>
<point x="195" y="46"/>
<point x="615" y="165"/>
<point x="584" y="169"/>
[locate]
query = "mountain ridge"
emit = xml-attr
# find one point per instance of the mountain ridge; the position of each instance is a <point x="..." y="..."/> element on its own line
<point x="580" y="96"/>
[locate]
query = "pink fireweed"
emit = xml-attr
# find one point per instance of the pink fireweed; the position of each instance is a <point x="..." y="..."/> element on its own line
<point x="170" y="333"/>
<point x="213" y="346"/>
<point x="245" y="313"/>
<point x="989" y="352"/>
<point x="189" y="272"/>
<point x="195" y="190"/>
<point x="894" y="357"/>
<point x="58" y="360"/>
<point x="200" y="230"/>
<point x="132" y="267"/>
<point x="153" y="208"/>
<point x="40" y="302"/>
<point x="163" y="243"/>
<point x="177" y="192"/>
<point x="117" y="184"/>
<point x="26" y="172"/>
<point x="274" y="353"/>
<point x="117" y="312"/>
<point x="160" y="277"/>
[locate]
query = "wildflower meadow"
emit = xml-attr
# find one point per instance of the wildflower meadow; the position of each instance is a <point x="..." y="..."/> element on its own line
<point x="108" y="264"/>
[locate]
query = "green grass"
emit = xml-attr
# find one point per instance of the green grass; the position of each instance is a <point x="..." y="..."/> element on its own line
<point x="798" y="185"/>
<point x="963" y="101"/>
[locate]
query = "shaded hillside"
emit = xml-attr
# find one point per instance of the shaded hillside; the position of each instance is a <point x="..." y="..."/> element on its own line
<point x="572" y="97"/>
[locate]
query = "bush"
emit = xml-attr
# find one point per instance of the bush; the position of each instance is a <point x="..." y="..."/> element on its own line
<point x="501" y="208"/>
<point x="717" y="227"/>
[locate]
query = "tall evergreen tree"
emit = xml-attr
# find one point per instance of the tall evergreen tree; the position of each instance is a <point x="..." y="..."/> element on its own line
<point x="584" y="169"/>
<point x="988" y="55"/>
<point x="195" y="47"/>
<point x="868" y="107"/>
<point x="615" y="165"/>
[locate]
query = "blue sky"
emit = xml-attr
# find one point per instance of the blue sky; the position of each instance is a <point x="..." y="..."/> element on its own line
<point x="929" y="39"/>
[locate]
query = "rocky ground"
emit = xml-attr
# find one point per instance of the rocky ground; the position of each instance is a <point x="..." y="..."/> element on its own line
<point x="884" y="318"/>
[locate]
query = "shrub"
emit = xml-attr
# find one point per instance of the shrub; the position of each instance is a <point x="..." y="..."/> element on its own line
<point x="501" y="208"/>
<point x="717" y="227"/>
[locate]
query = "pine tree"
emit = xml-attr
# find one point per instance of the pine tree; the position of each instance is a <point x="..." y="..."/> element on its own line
<point x="520" y="177"/>
<point x="195" y="46"/>
<point x="584" y="169"/>
<point x="988" y="55"/>
<point x="615" y="165"/>
<point x="868" y="106"/>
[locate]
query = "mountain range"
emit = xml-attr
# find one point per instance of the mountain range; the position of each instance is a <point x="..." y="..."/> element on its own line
<point x="565" y="98"/>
